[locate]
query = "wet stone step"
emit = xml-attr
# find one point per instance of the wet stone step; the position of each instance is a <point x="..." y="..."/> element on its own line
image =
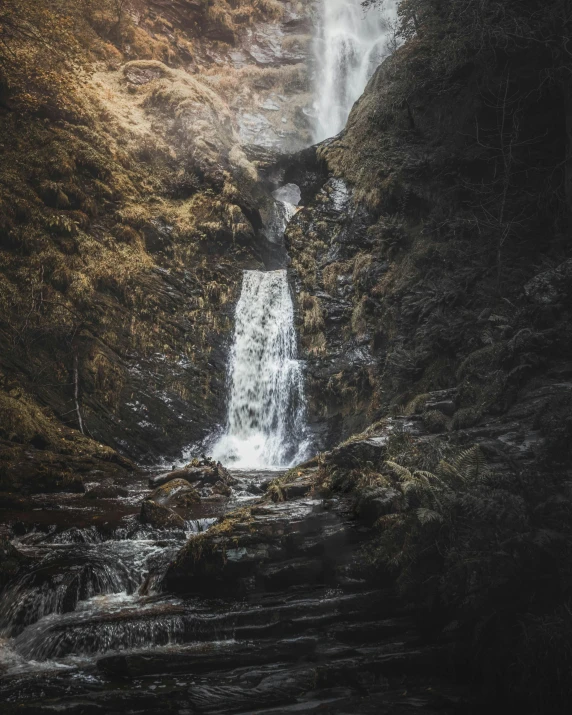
<point x="164" y="623"/>
<point x="371" y="632"/>
<point x="213" y="656"/>
<point x="281" y="687"/>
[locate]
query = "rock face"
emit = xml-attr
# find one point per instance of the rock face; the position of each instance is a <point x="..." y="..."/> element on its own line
<point x="150" y="204"/>
<point x="393" y="299"/>
<point x="328" y="241"/>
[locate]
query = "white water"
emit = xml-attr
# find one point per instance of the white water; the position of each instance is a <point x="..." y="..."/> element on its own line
<point x="350" y="45"/>
<point x="265" y="427"/>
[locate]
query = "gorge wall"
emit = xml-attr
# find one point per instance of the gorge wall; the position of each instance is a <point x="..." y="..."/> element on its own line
<point x="433" y="257"/>
<point x="134" y="195"/>
<point x="131" y="203"/>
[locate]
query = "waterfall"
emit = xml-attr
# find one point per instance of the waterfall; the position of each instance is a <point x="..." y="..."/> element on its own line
<point x="265" y="426"/>
<point x="350" y="44"/>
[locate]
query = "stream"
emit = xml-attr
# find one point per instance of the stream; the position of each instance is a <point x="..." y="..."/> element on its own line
<point x="91" y="590"/>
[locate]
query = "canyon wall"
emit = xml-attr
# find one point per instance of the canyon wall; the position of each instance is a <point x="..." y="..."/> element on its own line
<point x="131" y="203"/>
<point x="430" y="264"/>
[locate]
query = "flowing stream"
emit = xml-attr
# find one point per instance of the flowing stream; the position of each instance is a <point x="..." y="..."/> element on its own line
<point x="90" y="590"/>
<point x="350" y="44"/>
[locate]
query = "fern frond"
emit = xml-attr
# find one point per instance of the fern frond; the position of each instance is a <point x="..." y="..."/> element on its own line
<point x="428" y="477"/>
<point x="402" y="473"/>
<point x="472" y="464"/>
<point x="428" y="516"/>
<point x="449" y="473"/>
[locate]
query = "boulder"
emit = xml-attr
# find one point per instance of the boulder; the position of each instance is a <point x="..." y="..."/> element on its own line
<point x="176" y="493"/>
<point x="376" y="502"/>
<point x="355" y="454"/>
<point x="188" y="474"/>
<point x="160" y="517"/>
<point x="259" y="548"/>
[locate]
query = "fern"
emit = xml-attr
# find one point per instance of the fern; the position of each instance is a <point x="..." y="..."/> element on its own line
<point x="429" y="516"/>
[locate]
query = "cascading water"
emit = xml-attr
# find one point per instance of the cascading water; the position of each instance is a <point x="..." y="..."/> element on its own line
<point x="265" y="426"/>
<point x="350" y="44"/>
<point x="85" y="593"/>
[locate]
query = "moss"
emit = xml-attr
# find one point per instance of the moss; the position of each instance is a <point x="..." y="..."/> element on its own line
<point x="24" y="422"/>
<point x="466" y="417"/>
<point x="434" y="421"/>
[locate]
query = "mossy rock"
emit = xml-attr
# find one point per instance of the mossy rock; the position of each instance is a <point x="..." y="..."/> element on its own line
<point x="55" y="480"/>
<point x="435" y="421"/>
<point x="107" y="491"/>
<point x="466" y="417"/>
<point x="222" y="489"/>
<point x="160" y="517"/>
<point x="176" y="493"/>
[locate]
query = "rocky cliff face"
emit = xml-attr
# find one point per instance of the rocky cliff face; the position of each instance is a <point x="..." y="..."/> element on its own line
<point x="129" y="209"/>
<point x="420" y="265"/>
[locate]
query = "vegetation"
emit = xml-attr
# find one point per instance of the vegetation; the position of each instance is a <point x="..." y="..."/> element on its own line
<point x="453" y="272"/>
<point x="111" y="214"/>
<point x="464" y="207"/>
<point x="483" y="555"/>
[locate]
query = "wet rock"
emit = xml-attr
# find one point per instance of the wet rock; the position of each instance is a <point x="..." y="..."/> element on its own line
<point x="376" y="502"/>
<point x="447" y="407"/>
<point x="209" y="473"/>
<point x="189" y="474"/>
<point x="176" y="493"/>
<point x="210" y="497"/>
<point x="106" y="491"/>
<point x="288" y="543"/>
<point x="359" y="452"/>
<point x="205" y="660"/>
<point x="160" y="517"/>
<point x="11" y="560"/>
<point x="222" y="489"/>
<point x="293" y="489"/>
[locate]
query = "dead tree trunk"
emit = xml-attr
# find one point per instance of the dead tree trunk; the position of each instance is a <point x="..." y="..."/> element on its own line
<point x="76" y="392"/>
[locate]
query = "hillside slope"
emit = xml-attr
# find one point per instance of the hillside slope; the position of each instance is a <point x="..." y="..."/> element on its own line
<point x="128" y="211"/>
<point x="437" y="254"/>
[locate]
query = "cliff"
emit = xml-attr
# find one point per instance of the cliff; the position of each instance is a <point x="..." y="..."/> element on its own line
<point x="435" y="254"/>
<point x="128" y="211"/>
<point x="433" y="276"/>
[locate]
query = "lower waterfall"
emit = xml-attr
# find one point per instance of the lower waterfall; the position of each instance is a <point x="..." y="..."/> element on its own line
<point x="265" y="425"/>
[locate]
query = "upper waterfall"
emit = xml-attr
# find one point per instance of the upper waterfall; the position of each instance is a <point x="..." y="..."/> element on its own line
<point x="265" y="426"/>
<point x="350" y="43"/>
